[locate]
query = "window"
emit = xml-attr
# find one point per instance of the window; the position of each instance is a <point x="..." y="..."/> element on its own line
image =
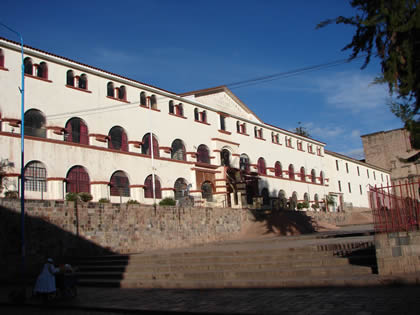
<point x="110" y="89"/>
<point x="180" y="188"/>
<point x="318" y="151"/>
<point x="347" y="168"/>
<point x="393" y="164"/>
<point x="222" y="122"/>
<point x="122" y="95"/>
<point x="153" y="102"/>
<point x="288" y="141"/>
<point x="349" y="188"/>
<point x="306" y="197"/>
<point x="120" y="185"/>
<point x="313" y="176"/>
<point x="258" y="133"/>
<point x="336" y="165"/>
<point x="118" y="139"/>
<point x="310" y="149"/>
<point x="291" y="172"/>
<point x="35" y="176"/>
<point x="203" y="116"/>
<point x="240" y="128"/>
<point x="360" y="186"/>
<point x="374" y="175"/>
<point x="302" y="174"/>
<point x="146" y="144"/>
<point x="77" y="180"/>
<point x="196" y="116"/>
<point x="244" y="162"/>
<point x="171" y="107"/>
<point x="143" y="99"/>
<point x="83" y="82"/>
<point x="70" y="78"/>
<point x="179" y="110"/>
<point x="42" y="70"/>
<point x="261" y="166"/>
<point x="278" y="170"/>
<point x="358" y="171"/>
<point x="382" y="177"/>
<point x="1" y="59"/>
<point x="200" y="116"/>
<point x="76" y="131"/>
<point x="27" y="63"/>
<point x="225" y="157"/>
<point x="207" y="191"/>
<point x="321" y="178"/>
<point x="275" y="138"/>
<point x="178" y="150"/>
<point x="339" y="186"/>
<point x="367" y="171"/>
<point x="203" y="154"/>
<point x="148" y="187"/>
<point x="299" y="145"/>
<point x="316" y="198"/>
<point x="35" y="124"/>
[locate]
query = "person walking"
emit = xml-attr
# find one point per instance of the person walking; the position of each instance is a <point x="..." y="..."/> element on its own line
<point x="45" y="283"/>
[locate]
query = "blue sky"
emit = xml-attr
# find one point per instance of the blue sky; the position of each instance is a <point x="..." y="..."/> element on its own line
<point x="188" y="45"/>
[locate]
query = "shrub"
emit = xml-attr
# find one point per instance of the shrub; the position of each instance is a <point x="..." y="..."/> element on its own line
<point x="305" y="205"/>
<point x="85" y="196"/>
<point x="167" y="202"/>
<point x="132" y="202"/>
<point x="299" y="206"/>
<point x="103" y="200"/>
<point x="72" y="196"/>
<point x="11" y="194"/>
<point x="315" y="206"/>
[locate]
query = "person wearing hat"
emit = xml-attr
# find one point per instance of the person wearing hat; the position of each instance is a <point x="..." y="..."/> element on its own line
<point x="45" y="283"/>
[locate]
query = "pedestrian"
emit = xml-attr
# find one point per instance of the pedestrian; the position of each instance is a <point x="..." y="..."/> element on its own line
<point x="45" y="283"/>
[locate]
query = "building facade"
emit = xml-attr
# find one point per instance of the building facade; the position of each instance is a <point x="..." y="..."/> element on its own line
<point x="89" y="130"/>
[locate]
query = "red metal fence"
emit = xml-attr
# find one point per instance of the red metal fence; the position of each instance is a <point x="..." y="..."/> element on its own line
<point x="395" y="208"/>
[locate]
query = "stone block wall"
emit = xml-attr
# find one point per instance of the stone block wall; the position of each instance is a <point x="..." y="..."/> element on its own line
<point x="398" y="253"/>
<point x="60" y="228"/>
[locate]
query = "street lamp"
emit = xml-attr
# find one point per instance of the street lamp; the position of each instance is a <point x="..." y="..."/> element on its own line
<point x="22" y="179"/>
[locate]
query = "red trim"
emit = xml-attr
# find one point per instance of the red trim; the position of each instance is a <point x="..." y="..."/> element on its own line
<point x="179" y="116"/>
<point x="260" y="138"/>
<point x="226" y="141"/>
<point x="78" y="89"/>
<point x="199" y="164"/>
<point x="225" y="132"/>
<point x="217" y="150"/>
<point x="56" y="129"/>
<point x="234" y="154"/>
<point x="136" y="186"/>
<point x="12" y="121"/>
<point x="118" y="99"/>
<point x="170" y="188"/>
<point x="38" y="78"/>
<point x="56" y="179"/>
<point x="203" y="170"/>
<point x="244" y="134"/>
<point x="220" y="180"/>
<point x="12" y="175"/>
<point x="223" y="114"/>
<point x="224" y="186"/>
<point x="191" y="153"/>
<point x="5" y="69"/>
<point x="136" y="144"/>
<point x="277" y="143"/>
<point x="99" y="137"/>
<point x="219" y="192"/>
<point x="99" y="183"/>
<point x="155" y="109"/>
<point x="202" y="122"/>
<point x="194" y="191"/>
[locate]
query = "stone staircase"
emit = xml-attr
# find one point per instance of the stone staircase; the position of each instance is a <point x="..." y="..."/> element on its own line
<point x="264" y="263"/>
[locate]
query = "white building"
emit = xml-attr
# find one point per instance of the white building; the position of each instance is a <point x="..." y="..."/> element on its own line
<point x="87" y="129"/>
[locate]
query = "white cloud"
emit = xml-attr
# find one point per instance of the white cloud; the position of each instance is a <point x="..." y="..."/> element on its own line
<point x="355" y="133"/>
<point x="353" y="90"/>
<point x="357" y="154"/>
<point x="324" y="132"/>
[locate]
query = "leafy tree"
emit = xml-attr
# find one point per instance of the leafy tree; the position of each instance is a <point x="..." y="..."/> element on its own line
<point x="300" y="130"/>
<point x="390" y="30"/>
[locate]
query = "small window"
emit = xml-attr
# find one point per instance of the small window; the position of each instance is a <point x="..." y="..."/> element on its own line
<point x="358" y="171"/>
<point x="110" y="89"/>
<point x="70" y="78"/>
<point x="181" y="188"/>
<point x="291" y="172"/>
<point x="207" y="191"/>
<point x="118" y="139"/>
<point x="179" y="110"/>
<point x="367" y="171"/>
<point x="148" y="187"/>
<point x="196" y="116"/>
<point x="27" y="63"/>
<point x="42" y="70"/>
<point x="178" y="150"/>
<point x="146" y="144"/>
<point x="360" y="186"/>
<point x="313" y="176"/>
<point x="203" y="155"/>
<point x="1" y="59"/>
<point x="318" y="151"/>
<point x="336" y="165"/>
<point x="35" y="176"/>
<point x="238" y="127"/>
<point x="120" y="185"/>
<point x="171" y="107"/>
<point x="122" y="95"/>
<point x="225" y="157"/>
<point x="322" y="177"/>
<point x="347" y="168"/>
<point x="222" y="122"/>
<point x="244" y="163"/>
<point x="143" y="99"/>
<point x="153" y="102"/>
<point x="278" y="170"/>
<point x="374" y="175"/>
<point x="339" y="186"/>
<point x="203" y="116"/>
<point x="302" y="174"/>
<point x="35" y="124"/>
<point x="83" y="83"/>
<point x="261" y="166"/>
<point x="382" y="177"/>
<point x="349" y="188"/>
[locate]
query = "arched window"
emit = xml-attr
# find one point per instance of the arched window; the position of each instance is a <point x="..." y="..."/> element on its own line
<point x="261" y="166"/>
<point x="121" y="93"/>
<point x="179" y="110"/>
<point x="180" y="188"/>
<point x="225" y="157"/>
<point x="83" y="82"/>
<point x="145" y="147"/>
<point x="28" y="66"/>
<point x="255" y="132"/>
<point x="316" y="198"/>
<point x="321" y="178"/>
<point x="278" y="170"/>
<point x="203" y="155"/>
<point x="282" y="194"/>
<point x="196" y="114"/>
<point x="207" y="191"/>
<point x="302" y="174"/>
<point x="110" y="89"/>
<point x="244" y="162"/>
<point x="143" y="99"/>
<point x="35" y="176"/>
<point x="178" y="150"/>
<point x="153" y="102"/>
<point x="76" y="131"/>
<point x="295" y="196"/>
<point x="1" y="59"/>
<point x="42" y="70"/>
<point x="306" y="197"/>
<point x="148" y="187"/>
<point x="35" y="123"/>
<point x="70" y="78"/>
<point x="313" y="176"/>
<point x="120" y="185"/>
<point x="204" y="116"/>
<point x="238" y="127"/>
<point x="291" y="172"/>
<point x="77" y="180"/>
<point x="266" y="196"/>
<point x="171" y="107"/>
<point x="118" y="139"/>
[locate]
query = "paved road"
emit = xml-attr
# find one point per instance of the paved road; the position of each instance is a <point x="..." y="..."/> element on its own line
<point x="314" y="301"/>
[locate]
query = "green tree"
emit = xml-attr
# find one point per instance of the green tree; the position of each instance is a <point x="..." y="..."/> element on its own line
<point x="390" y="30"/>
<point x="300" y="130"/>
